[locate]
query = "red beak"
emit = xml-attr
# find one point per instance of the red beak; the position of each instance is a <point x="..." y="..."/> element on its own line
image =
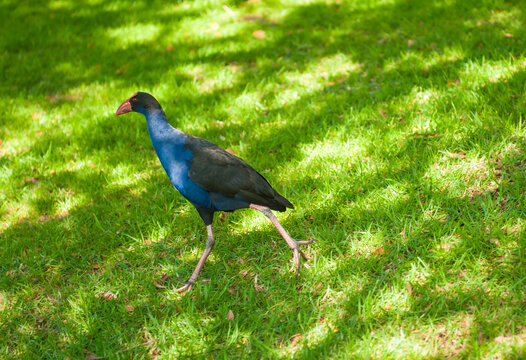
<point x="124" y="108"/>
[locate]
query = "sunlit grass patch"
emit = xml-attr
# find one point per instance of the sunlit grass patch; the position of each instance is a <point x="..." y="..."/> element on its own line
<point x="135" y="34"/>
<point x="463" y="178"/>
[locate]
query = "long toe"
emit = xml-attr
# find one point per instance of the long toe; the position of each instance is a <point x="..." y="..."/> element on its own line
<point x="297" y="261"/>
<point x="185" y="289"/>
<point x="297" y="253"/>
<point x="306" y="242"/>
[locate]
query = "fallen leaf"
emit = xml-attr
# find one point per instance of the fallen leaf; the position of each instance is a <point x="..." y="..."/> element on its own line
<point x="230" y="151"/>
<point x="409" y="43"/>
<point x="259" y="34"/>
<point x="33" y="180"/>
<point x="444" y="246"/>
<point x="109" y="295"/>
<point x="230" y="315"/>
<point x="129" y="308"/>
<point x="508" y="35"/>
<point x="169" y="48"/>
<point x="383" y="112"/>
<point x="93" y="357"/>
<point x="409" y="289"/>
<point x="154" y="352"/>
<point x="257" y="286"/>
<point x="244" y="273"/>
<point x="295" y="340"/>
<point x="460" y="155"/>
<point x="39" y="134"/>
<point x="93" y="166"/>
<point x="494" y="241"/>
<point x="379" y="251"/>
<point x="232" y="290"/>
<point x="252" y="17"/>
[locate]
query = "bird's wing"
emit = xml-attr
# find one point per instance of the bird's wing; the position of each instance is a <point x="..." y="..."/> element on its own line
<point x="218" y="171"/>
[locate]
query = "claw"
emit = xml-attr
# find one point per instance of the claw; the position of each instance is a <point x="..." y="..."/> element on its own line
<point x="185" y="289"/>
<point x="296" y="252"/>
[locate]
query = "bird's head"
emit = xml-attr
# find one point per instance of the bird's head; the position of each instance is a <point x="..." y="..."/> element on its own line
<point x="140" y="102"/>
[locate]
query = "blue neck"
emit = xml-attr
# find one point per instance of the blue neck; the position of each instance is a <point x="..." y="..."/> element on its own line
<point x="160" y="130"/>
<point x="169" y="144"/>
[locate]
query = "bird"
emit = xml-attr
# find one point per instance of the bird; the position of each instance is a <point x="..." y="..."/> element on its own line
<point x="210" y="178"/>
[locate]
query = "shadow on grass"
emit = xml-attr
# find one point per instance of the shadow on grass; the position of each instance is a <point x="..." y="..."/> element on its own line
<point x="394" y="55"/>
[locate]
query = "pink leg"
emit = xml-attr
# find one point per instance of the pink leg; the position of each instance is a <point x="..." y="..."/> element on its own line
<point x="208" y="249"/>
<point x="293" y="244"/>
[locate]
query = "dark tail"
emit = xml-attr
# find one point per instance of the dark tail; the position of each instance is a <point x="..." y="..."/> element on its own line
<point x="280" y="203"/>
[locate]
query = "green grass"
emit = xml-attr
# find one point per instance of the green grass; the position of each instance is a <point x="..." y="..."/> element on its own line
<point x="396" y="127"/>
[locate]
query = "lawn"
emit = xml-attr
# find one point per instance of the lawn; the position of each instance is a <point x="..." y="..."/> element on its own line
<point x="395" y="127"/>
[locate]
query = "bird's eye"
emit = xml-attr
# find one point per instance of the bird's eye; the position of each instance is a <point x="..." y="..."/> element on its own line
<point x="134" y="99"/>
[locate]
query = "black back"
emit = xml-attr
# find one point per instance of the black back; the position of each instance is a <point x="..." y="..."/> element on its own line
<point x="218" y="171"/>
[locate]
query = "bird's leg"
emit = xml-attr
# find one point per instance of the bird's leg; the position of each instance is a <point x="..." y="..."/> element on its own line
<point x="208" y="249"/>
<point x="293" y="244"/>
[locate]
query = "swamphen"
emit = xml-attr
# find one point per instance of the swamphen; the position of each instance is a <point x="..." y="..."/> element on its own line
<point x="209" y="177"/>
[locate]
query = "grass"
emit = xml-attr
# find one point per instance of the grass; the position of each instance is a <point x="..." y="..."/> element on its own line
<point x="396" y="127"/>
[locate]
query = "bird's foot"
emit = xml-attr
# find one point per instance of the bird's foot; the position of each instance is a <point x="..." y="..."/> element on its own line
<point x="296" y="252"/>
<point x="185" y="289"/>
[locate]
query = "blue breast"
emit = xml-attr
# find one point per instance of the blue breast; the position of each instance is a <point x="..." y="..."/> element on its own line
<point x="169" y="144"/>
